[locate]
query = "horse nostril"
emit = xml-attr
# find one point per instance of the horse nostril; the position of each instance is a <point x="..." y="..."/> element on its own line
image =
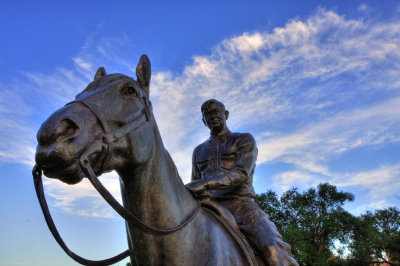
<point x="39" y="158"/>
<point x="67" y="128"/>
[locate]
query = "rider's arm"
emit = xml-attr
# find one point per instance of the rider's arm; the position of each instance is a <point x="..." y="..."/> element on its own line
<point x="196" y="175"/>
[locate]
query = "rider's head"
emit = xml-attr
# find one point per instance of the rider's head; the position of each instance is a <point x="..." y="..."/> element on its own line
<point x="214" y="115"/>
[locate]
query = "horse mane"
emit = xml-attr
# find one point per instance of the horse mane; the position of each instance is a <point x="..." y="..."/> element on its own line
<point x="171" y="163"/>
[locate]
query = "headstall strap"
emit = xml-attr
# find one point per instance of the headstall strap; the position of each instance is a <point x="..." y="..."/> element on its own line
<point x="147" y="106"/>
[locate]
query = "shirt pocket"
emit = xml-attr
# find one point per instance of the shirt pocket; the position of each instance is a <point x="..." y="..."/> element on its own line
<point x="228" y="160"/>
<point x="203" y="165"/>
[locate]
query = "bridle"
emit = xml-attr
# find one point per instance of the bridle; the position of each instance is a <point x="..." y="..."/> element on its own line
<point x="103" y="145"/>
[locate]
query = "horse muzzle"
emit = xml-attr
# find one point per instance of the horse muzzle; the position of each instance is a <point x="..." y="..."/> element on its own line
<point x="57" y="161"/>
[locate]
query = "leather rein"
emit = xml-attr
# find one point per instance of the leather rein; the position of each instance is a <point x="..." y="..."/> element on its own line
<point x="103" y="145"/>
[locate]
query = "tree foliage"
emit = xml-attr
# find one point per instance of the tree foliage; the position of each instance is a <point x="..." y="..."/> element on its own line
<point x="313" y="221"/>
<point x="310" y="221"/>
<point x="376" y="238"/>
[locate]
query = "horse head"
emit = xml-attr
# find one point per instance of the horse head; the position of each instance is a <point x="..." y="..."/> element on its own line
<point x="100" y="119"/>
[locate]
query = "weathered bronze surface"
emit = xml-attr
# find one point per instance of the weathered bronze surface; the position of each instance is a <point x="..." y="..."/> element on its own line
<point x="224" y="165"/>
<point x="110" y="126"/>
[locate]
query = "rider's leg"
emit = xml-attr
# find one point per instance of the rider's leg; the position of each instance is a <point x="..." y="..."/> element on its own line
<point x="260" y="231"/>
<point x="266" y="240"/>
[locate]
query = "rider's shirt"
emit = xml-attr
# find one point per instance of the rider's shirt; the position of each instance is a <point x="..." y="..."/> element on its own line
<point x="227" y="162"/>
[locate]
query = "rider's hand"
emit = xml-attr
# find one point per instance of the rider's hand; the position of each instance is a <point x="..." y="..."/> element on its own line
<point x="197" y="186"/>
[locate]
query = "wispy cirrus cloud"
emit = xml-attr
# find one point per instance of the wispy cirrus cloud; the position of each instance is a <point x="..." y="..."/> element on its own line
<point x="309" y="92"/>
<point x="17" y="137"/>
<point x="82" y="199"/>
<point x="336" y="134"/>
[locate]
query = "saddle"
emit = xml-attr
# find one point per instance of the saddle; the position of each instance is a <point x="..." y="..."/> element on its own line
<point x="228" y="222"/>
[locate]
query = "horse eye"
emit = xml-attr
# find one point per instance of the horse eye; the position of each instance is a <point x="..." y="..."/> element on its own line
<point x="128" y="91"/>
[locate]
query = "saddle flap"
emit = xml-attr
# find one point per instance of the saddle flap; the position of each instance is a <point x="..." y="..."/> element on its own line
<point x="228" y="221"/>
<point x="221" y="212"/>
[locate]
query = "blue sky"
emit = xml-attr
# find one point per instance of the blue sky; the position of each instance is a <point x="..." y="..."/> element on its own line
<point x="316" y="82"/>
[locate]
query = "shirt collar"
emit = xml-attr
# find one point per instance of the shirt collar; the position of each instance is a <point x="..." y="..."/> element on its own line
<point x="221" y="134"/>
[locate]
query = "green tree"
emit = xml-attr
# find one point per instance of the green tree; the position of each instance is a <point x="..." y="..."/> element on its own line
<point x="311" y="221"/>
<point x="387" y="222"/>
<point x="376" y="238"/>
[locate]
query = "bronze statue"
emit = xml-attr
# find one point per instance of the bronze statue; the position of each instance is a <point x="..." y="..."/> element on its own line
<point x="110" y="126"/>
<point x="224" y="165"/>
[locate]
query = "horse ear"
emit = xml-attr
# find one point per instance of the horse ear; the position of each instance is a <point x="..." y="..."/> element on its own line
<point x="101" y="72"/>
<point x="143" y="73"/>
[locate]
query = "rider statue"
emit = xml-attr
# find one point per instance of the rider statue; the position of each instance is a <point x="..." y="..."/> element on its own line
<point x="223" y="166"/>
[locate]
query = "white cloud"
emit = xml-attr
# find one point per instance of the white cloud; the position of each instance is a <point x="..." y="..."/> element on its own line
<point x="336" y="134"/>
<point x="284" y="181"/>
<point x="382" y="178"/>
<point x="82" y="64"/>
<point x="17" y="137"/>
<point x="245" y="43"/>
<point x="379" y="185"/>
<point x="363" y="7"/>
<point x="82" y="199"/>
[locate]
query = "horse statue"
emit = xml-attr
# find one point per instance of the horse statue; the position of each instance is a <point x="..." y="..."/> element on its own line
<point x="110" y="126"/>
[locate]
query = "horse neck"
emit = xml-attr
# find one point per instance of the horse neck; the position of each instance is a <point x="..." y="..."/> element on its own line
<point x="153" y="191"/>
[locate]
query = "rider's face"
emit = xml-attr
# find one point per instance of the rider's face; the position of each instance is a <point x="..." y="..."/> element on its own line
<point x="214" y="118"/>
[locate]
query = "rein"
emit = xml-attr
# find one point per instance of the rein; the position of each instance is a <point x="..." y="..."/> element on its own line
<point x="37" y="179"/>
<point x="103" y="145"/>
